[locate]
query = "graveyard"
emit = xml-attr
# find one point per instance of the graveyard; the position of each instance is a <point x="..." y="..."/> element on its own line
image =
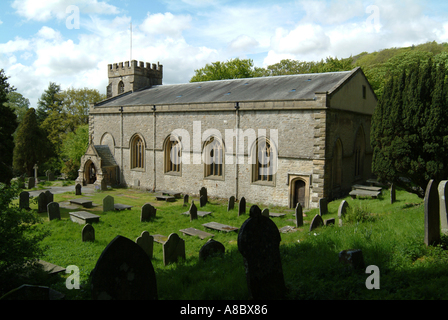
<point x="390" y="236"/>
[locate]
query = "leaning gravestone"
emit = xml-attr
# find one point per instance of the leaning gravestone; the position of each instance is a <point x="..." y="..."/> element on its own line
<point x="78" y="190"/>
<point x="123" y="272"/>
<point x="323" y="206"/>
<point x="443" y="197"/>
<point x="211" y="247"/>
<point x="242" y="206"/>
<point x="108" y="204"/>
<point x="146" y="242"/>
<point x="316" y="222"/>
<point x="299" y="215"/>
<point x="393" y="194"/>
<point x="88" y="233"/>
<point x="202" y="201"/>
<point x="24" y="200"/>
<point x="258" y="243"/>
<point x="53" y="211"/>
<point x="173" y="249"/>
<point x="231" y="203"/>
<point x="432" y="216"/>
<point x="186" y="197"/>
<point x="342" y="210"/>
<point x="148" y="213"/>
<point x="42" y="203"/>
<point x="193" y="211"/>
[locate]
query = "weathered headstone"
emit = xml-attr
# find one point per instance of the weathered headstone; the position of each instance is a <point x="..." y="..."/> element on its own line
<point x="203" y="199"/>
<point x="342" y="210"/>
<point x="299" y="215"/>
<point x="88" y="233"/>
<point x="258" y="243"/>
<point x="78" y="188"/>
<point x="443" y="197"/>
<point x="316" y="222"/>
<point x="327" y="222"/>
<point x="393" y="195"/>
<point x="242" y="206"/>
<point x="432" y="216"/>
<point x="173" y="249"/>
<point x="108" y="204"/>
<point x="323" y="206"/>
<point x="53" y="211"/>
<point x="42" y="203"/>
<point x="231" y="203"/>
<point x="211" y="247"/>
<point x="50" y="175"/>
<point x="353" y="258"/>
<point x="186" y="198"/>
<point x="146" y="242"/>
<point x="30" y="183"/>
<point x="123" y="272"/>
<point x="50" y="196"/>
<point x="148" y="212"/>
<point x="193" y="211"/>
<point x="103" y="185"/>
<point x="265" y="212"/>
<point x="24" y="200"/>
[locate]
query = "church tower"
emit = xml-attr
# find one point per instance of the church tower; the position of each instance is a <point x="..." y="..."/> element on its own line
<point x="132" y="76"/>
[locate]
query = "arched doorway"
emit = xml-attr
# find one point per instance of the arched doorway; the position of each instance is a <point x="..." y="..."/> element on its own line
<point x="90" y="172"/>
<point x="298" y="192"/>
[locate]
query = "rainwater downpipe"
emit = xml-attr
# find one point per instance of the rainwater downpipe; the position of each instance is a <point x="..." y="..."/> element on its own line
<point x="154" y="147"/>
<point x="237" y="121"/>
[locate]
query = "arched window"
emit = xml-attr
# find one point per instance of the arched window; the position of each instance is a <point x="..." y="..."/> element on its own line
<point x="137" y="153"/>
<point x="120" y="87"/>
<point x="263" y="163"/>
<point x="172" y="155"/>
<point x="213" y="158"/>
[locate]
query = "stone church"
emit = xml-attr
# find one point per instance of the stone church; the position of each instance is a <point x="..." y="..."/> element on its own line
<point x="274" y="140"/>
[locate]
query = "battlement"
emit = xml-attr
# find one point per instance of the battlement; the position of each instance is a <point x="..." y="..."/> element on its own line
<point x="135" y="67"/>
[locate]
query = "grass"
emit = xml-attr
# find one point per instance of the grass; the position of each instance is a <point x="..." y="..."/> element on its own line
<point x="389" y="235"/>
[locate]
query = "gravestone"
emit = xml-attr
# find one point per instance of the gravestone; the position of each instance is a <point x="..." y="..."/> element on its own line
<point x="83" y="217"/>
<point x="88" y="233"/>
<point x="432" y="216"/>
<point x="78" y="190"/>
<point x="24" y="200"/>
<point x="299" y="215"/>
<point x="353" y="258"/>
<point x="265" y="212"/>
<point x="42" y="203"/>
<point x="50" y="175"/>
<point x="323" y="206"/>
<point x="50" y="196"/>
<point x="231" y="203"/>
<point x="53" y="211"/>
<point x="202" y="201"/>
<point x="123" y="272"/>
<point x="30" y="183"/>
<point x="193" y="211"/>
<point x="443" y="197"/>
<point x="258" y="243"/>
<point x="242" y="206"/>
<point x="186" y="197"/>
<point x="211" y="247"/>
<point x="203" y="192"/>
<point x="342" y="210"/>
<point x="393" y="196"/>
<point x="146" y="242"/>
<point x="108" y="204"/>
<point x="103" y="186"/>
<point x="173" y="249"/>
<point x="148" y="213"/>
<point x="327" y="222"/>
<point x="316" y="222"/>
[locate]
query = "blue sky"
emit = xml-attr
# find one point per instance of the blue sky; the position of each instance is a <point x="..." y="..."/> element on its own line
<point x="39" y="45"/>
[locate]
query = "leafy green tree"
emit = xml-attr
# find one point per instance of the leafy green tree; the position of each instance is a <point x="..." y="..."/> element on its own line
<point x="231" y="69"/>
<point x="8" y="125"/>
<point x="48" y="102"/>
<point x="31" y="144"/>
<point x="73" y="149"/>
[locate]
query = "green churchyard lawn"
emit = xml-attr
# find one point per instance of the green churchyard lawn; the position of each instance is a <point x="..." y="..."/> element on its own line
<point x="389" y="235"/>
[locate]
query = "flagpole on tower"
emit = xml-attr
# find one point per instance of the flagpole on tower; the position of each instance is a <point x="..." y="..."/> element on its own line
<point x="131" y="44"/>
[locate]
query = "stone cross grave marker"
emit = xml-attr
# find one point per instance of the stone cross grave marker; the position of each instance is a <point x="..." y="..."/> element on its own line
<point x="323" y="206"/>
<point x="131" y="269"/>
<point x="24" y="200"/>
<point x="35" y="174"/>
<point x="193" y="211"/>
<point x="88" y="233"/>
<point x="231" y="203"/>
<point x="173" y="249"/>
<point x="53" y="211"/>
<point x="443" y="197"/>
<point x="186" y="198"/>
<point x="242" y="206"/>
<point x="393" y="194"/>
<point x="299" y="215"/>
<point x="78" y="188"/>
<point x="108" y="204"/>
<point x="211" y="247"/>
<point x="258" y="242"/>
<point x="316" y="222"/>
<point x="148" y="213"/>
<point x="203" y="197"/>
<point x="432" y="216"/>
<point x="146" y="242"/>
<point x="342" y="210"/>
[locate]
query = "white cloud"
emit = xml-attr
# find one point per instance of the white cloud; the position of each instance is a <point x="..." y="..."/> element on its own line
<point x="18" y="44"/>
<point x="243" y="43"/>
<point x="165" y="24"/>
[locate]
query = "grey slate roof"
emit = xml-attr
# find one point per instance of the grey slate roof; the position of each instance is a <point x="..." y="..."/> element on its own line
<point x="107" y="159"/>
<point x="290" y="87"/>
